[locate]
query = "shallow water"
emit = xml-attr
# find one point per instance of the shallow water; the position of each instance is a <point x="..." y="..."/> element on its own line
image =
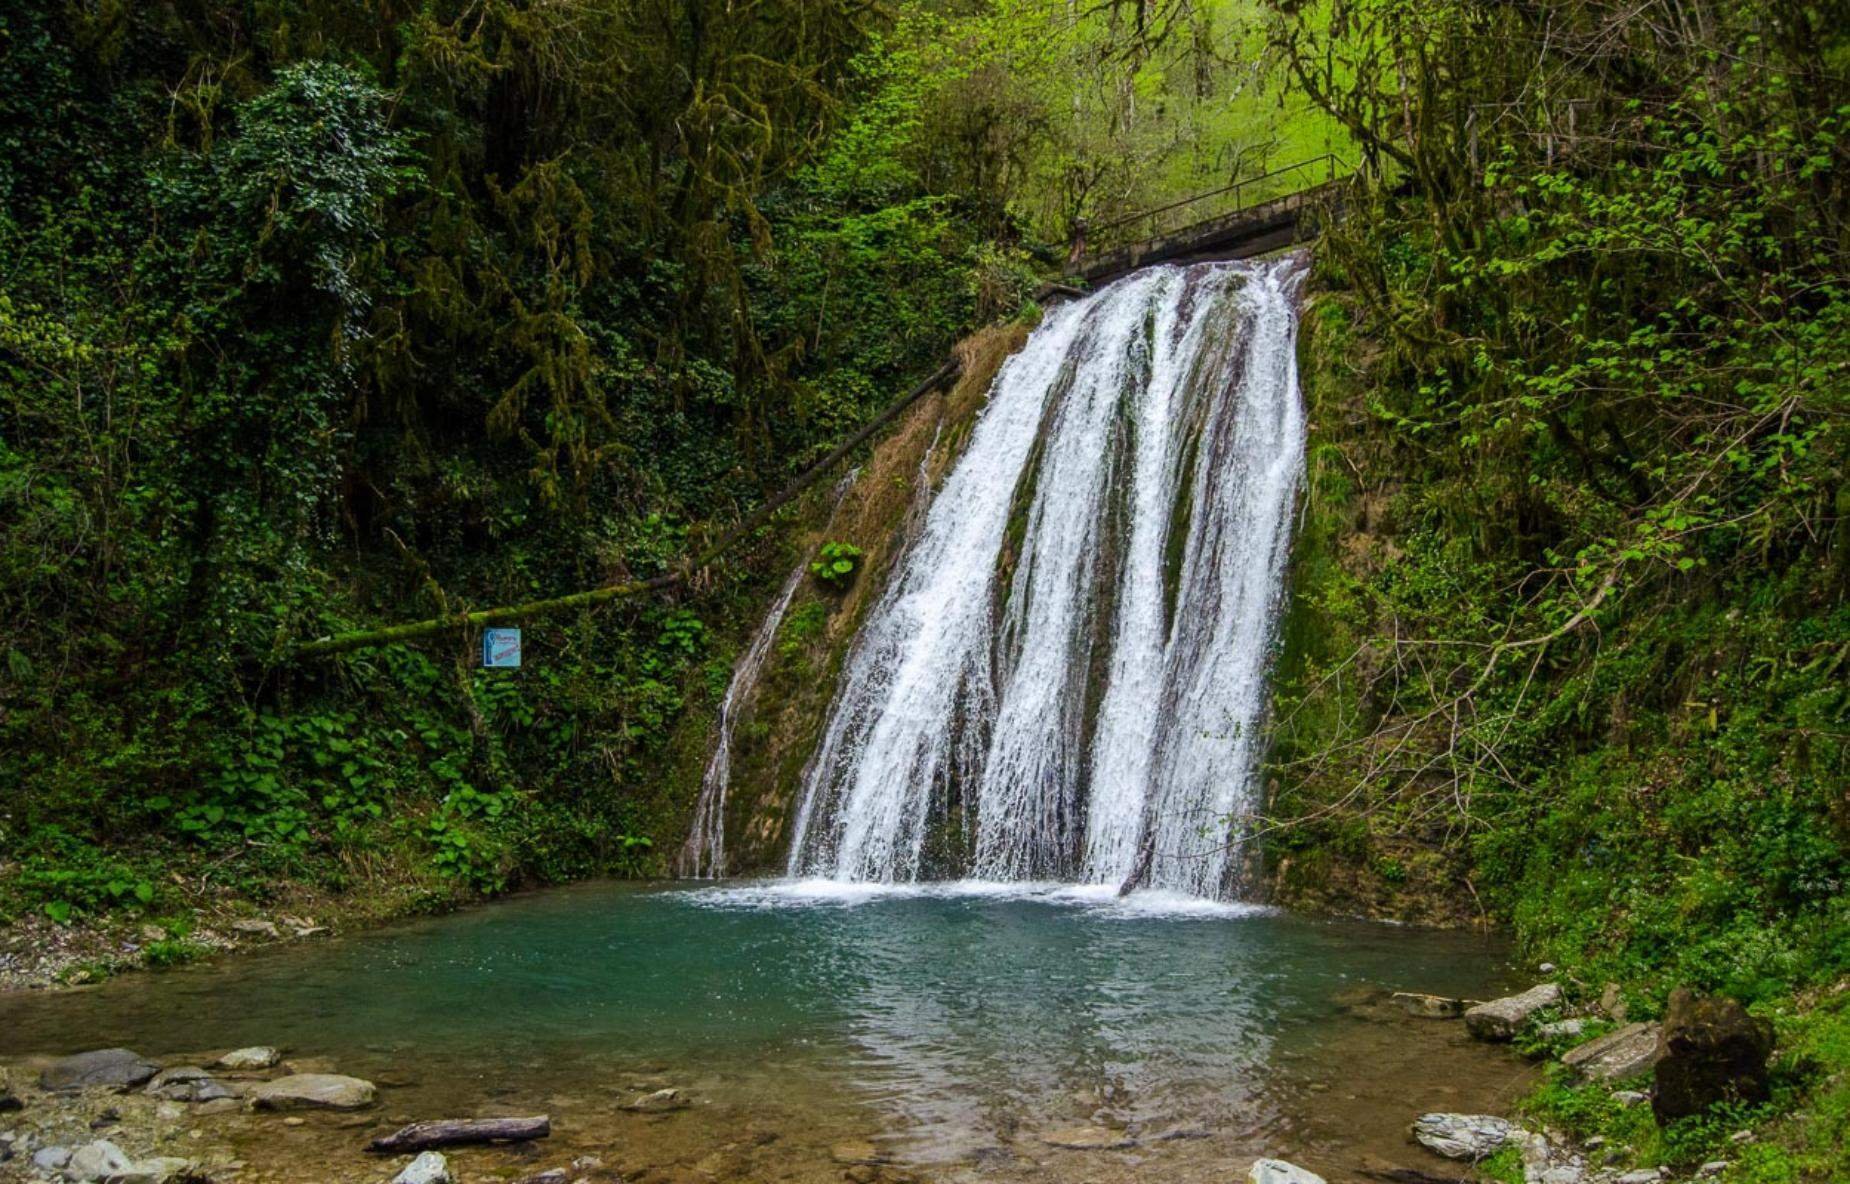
<point x="950" y="1024"/>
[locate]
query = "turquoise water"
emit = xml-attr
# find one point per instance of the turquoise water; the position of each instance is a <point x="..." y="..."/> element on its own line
<point x="948" y="1020"/>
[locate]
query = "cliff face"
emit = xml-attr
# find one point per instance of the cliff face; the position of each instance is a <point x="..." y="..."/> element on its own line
<point x="781" y="720"/>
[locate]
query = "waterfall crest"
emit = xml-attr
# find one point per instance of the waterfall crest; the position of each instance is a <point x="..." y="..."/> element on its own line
<point x="1064" y="675"/>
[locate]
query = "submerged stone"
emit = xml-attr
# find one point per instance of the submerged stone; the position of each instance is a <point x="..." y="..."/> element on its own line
<point x="1088" y="1138"/>
<point x="659" y="1101"/>
<point x="188" y="1083"/>
<point x="1428" y="1007"/>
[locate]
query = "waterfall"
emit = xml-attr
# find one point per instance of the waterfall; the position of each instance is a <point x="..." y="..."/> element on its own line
<point x="1064" y="676"/>
<point x="703" y="853"/>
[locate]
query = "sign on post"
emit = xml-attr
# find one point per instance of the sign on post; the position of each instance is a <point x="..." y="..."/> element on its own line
<point x="501" y="648"/>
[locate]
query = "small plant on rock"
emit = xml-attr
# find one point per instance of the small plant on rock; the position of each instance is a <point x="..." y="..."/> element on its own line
<point x="836" y="564"/>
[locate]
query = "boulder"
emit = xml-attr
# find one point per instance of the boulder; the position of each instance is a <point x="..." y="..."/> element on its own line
<point x="1464" y="1136"/>
<point x="258" y="1056"/>
<point x="112" y="1068"/>
<point x="1710" y="1051"/>
<point x="1088" y="1138"/>
<point x="254" y="927"/>
<point x="1619" y="1054"/>
<point x="1426" y="1007"/>
<point x="101" y="1160"/>
<point x="1277" y="1171"/>
<point x="428" y="1168"/>
<point x="1501" y="1019"/>
<point x="188" y="1083"/>
<point x="302" y="1091"/>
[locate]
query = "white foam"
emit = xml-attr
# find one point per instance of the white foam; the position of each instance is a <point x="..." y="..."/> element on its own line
<point x="1100" y="900"/>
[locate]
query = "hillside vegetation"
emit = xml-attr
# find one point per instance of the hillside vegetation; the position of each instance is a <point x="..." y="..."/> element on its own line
<point x="1571" y="629"/>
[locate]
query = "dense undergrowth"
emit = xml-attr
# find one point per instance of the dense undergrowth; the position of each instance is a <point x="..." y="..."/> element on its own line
<point x="1571" y="618"/>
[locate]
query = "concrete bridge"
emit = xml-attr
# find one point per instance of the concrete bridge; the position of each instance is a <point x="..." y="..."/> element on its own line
<point x="1233" y="222"/>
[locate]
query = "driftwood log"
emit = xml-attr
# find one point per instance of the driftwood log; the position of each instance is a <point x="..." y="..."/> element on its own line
<point x="450" y="1132"/>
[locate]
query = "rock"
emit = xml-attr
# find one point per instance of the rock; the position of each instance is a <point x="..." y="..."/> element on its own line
<point x="309" y="1065"/>
<point x="258" y="1056"/>
<point x="51" y="1159"/>
<point x="1088" y="1138"/>
<point x="1641" y="1176"/>
<point x="292" y="1120"/>
<point x="428" y="1168"/>
<point x="1546" y="1162"/>
<point x="114" y="1068"/>
<point x="1546" y="968"/>
<point x="1185" y="1130"/>
<point x="254" y="927"/>
<point x="1562" y="1029"/>
<point x="1711" y="1051"/>
<point x="218" y="1106"/>
<point x="1612" y="1002"/>
<point x="1630" y="1097"/>
<point x="1277" y="1171"/>
<point x="1714" y="1167"/>
<point x="1619" y="1054"/>
<point x="549" y="1176"/>
<point x="1748" y="1136"/>
<point x="856" y="1151"/>
<point x="101" y="1160"/>
<point x="658" y="1102"/>
<point x="158" y="1170"/>
<point x="188" y="1083"/>
<point x="1464" y="1136"/>
<point x="1426" y="1007"/>
<point x="299" y="1091"/>
<point x="1501" y="1019"/>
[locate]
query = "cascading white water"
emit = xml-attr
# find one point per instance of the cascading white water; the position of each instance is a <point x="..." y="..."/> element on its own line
<point x="1065" y="673"/>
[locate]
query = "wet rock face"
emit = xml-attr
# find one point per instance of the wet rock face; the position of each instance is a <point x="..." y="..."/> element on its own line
<point x="1710" y="1051"/>
<point x="111" y="1068"/>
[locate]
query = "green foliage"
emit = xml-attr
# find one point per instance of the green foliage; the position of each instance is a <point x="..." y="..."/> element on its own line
<point x="835" y="564"/>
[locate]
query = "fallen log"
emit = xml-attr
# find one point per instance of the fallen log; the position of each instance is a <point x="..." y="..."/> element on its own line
<point x="450" y="1132"/>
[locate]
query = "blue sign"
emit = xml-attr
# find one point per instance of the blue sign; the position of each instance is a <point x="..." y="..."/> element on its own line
<point x="501" y="648"/>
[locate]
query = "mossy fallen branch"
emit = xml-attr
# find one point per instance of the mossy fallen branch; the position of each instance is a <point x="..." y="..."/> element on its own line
<point x="393" y="634"/>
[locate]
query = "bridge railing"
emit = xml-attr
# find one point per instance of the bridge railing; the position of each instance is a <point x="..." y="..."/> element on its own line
<point x="1227" y="200"/>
